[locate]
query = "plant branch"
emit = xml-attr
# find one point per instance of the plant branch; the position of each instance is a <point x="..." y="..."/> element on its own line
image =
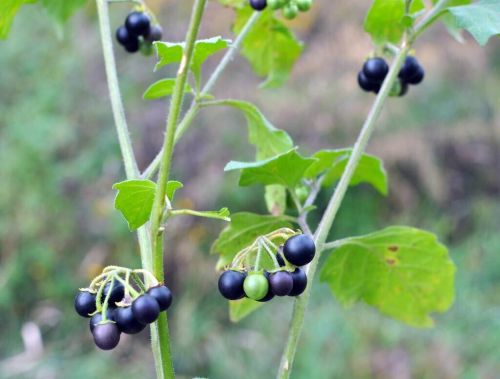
<point x="430" y="17"/>
<point x="325" y="225"/>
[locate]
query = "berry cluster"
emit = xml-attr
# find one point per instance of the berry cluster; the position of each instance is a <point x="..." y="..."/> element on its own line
<point x="374" y="71"/>
<point x="262" y="285"/>
<point x="138" y="33"/>
<point x="289" y="8"/>
<point x="116" y="308"/>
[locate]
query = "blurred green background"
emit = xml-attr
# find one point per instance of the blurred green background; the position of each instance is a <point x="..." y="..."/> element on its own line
<point x="59" y="158"/>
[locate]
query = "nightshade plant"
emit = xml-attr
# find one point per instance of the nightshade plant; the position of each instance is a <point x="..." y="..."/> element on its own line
<point x="403" y="272"/>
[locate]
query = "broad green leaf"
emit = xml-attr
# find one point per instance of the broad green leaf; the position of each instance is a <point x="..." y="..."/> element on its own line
<point x="242" y="231"/>
<point x="403" y="272"/>
<point x="285" y="169"/>
<point x="268" y="142"/>
<point x="8" y="10"/>
<point x="239" y="309"/>
<point x="172" y="52"/>
<point x="162" y="88"/>
<point x="221" y="214"/>
<point x="62" y="10"/>
<point x="450" y="23"/>
<point x="386" y="21"/>
<point x="270" y="47"/>
<point x="332" y="164"/>
<point x="135" y="199"/>
<point x="481" y="19"/>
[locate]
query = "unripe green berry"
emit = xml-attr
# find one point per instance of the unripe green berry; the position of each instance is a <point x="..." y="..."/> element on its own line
<point x="256" y="286"/>
<point x="290" y="11"/>
<point x="303" y="5"/>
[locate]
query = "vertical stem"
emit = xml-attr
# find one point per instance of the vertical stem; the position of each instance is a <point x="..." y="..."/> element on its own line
<point x="331" y="211"/>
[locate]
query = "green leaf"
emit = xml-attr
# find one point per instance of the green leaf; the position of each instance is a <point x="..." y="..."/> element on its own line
<point x="8" y="10"/>
<point x="172" y="52"/>
<point x="135" y="199"/>
<point x="481" y="20"/>
<point x="62" y="10"/>
<point x="233" y="3"/>
<point x="242" y="231"/>
<point x="403" y="272"/>
<point x="451" y="25"/>
<point x="162" y="88"/>
<point x="285" y="169"/>
<point x="270" y="47"/>
<point x="222" y="214"/>
<point x="386" y="21"/>
<point x="239" y="309"/>
<point x="332" y="163"/>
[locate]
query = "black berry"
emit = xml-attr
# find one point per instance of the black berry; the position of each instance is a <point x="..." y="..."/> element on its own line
<point x="133" y="46"/>
<point x="280" y="259"/>
<point x="123" y="36"/>
<point x="404" y="88"/>
<point x="410" y="68"/>
<point x="299" y="250"/>
<point x="270" y="295"/>
<point x="417" y="78"/>
<point x="368" y="85"/>
<point x="258" y="5"/>
<point x="138" y="24"/>
<point x="106" y="336"/>
<point x="163" y="296"/>
<point x="85" y="303"/>
<point x="375" y="69"/>
<point x="155" y="33"/>
<point x="299" y="278"/>
<point x="145" y="309"/>
<point x="281" y="283"/>
<point x="117" y="292"/>
<point x="231" y="285"/>
<point x="97" y="318"/>
<point x="126" y="321"/>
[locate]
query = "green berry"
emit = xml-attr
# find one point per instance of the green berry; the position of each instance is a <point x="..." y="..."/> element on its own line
<point x="290" y="11"/>
<point x="275" y="4"/>
<point x="256" y="286"/>
<point x="303" y="5"/>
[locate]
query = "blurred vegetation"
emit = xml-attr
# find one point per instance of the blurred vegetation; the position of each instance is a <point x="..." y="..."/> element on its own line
<point x="59" y="158"/>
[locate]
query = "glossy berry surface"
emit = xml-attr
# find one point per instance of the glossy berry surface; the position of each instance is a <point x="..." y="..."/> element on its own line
<point x="155" y="33"/>
<point x="133" y="46"/>
<point x="303" y="5"/>
<point x="126" y="321"/>
<point x="145" y="309"/>
<point x="138" y="24"/>
<point x="290" y="11"/>
<point x="375" y="69"/>
<point x="281" y="283"/>
<point x="299" y="278"/>
<point x="258" y="5"/>
<point x="117" y="292"/>
<point x="299" y="250"/>
<point x="106" y="336"/>
<point x="270" y="295"/>
<point x="368" y="85"/>
<point x="231" y="285"/>
<point x="123" y="36"/>
<point x="417" y="78"/>
<point x="256" y="286"/>
<point x="162" y="295"/>
<point x="409" y="69"/>
<point x="85" y="303"/>
<point x="97" y="318"/>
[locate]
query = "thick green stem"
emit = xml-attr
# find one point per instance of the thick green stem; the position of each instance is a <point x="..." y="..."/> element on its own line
<point x="326" y="223"/>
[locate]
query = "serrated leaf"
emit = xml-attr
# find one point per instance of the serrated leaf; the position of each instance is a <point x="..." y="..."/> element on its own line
<point x="386" y="21"/>
<point x="481" y="19"/>
<point x="332" y="164"/>
<point x="8" y="10"/>
<point x="221" y="214"/>
<point x="239" y="309"/>
<point x="242" y="231"/>
<point x="403" y="272"/>
<point x="172" y="52"/>
<point x="162" y="88"/>
<point x="286" y="169"/>
<point x="270" y="47"/>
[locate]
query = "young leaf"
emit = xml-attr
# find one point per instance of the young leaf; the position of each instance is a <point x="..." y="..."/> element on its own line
<point x="239" y="309"/>
<point x="332" y="164"/>
<point x="162" y="88"/>
<point x="222" y="214"/>
<point x="481" y="19"/>
<point x="270" y="47"/>
<point x="242" y="231"/>
<point x="386" y="21"/>
<point x="285" y="169"/>
<point x="403" y="272"/>
<point x="8" y="10"/>
<point x="172" y="187"/>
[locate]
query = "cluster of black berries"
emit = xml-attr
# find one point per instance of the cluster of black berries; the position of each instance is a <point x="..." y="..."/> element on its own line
<point x="289" y="8"/>
<point x="128" y="319"/>
<point x="138" y="33"/>
<point x="261" y="286"/>
<point x="374" y="71"/>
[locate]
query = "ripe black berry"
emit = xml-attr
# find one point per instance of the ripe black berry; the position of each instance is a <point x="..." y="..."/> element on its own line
<point x="138" y="24"/>
<point x="404" y="88"/>
<point x="162" y="295"/>
<point x="85" y="303"/>
<point x="270" y="295"/>
<point x="97" y="318"/>
<point x="126" y="321"/>
<point x="281" y="283"/>
<point x="155" y="33"/>
<point x="375" y="69"/>
<point x="123" y="36"/>
<point x="133" y="46"/>
<point x="368" y="85"/>
<point x="231" y="284"/>
<point x="117" y="292"/>
<point x="299" y="278"/>
<point x="145" y="309"/>
<point x="410" y="68"/>
<point x="417" y="77"/>
<point x="106" y="336"/>
<point x="258" y="5"/>
<point x="299" y="250"/>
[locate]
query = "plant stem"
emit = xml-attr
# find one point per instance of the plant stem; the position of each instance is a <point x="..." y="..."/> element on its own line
<point x="325" y="225"/>
<point x="430" y="17"/>
<point x="161" y="339"/>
